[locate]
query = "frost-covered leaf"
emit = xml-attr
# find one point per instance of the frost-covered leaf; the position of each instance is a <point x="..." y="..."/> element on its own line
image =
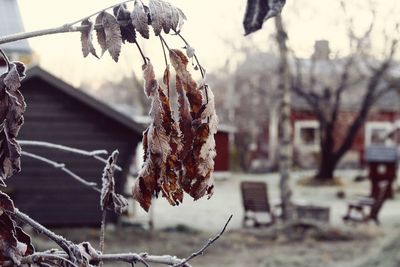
<point x="6" y="204"/>
<point x="127" y="31"/>
<point x="156" y="14"/>
<point x="258" y="11"/>
<point x="87" y="39"/>
<point x="109" y="199"/>
<point x="139" y="18"/>
<point x="178" y="19"/>
<point x="165" y="16"/>
<point x="167" y="22"/>
<point x="12" y="107"/>
<point x="101" y="34"/>
<point x="190" y="52"/>
<point x="113" y="35"/>
<point x="14" y="243"/>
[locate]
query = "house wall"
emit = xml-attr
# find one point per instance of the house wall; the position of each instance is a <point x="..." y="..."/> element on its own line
<point x="48" y="194"/>
<point x="345" y="119"/>
<point x="222" y="147"/>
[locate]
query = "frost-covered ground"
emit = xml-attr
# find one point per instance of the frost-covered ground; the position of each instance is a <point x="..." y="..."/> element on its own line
<point x="363" y="246"/>
<point x="210" y="215"/>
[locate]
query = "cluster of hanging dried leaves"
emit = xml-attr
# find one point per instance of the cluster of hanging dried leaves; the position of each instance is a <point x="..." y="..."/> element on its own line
<point x="179" y="150"/>
<point x="114" y="29"/>
<point x="14" y="242"/>
<point x="179" y="154"/>
<point x="12" y="107"/>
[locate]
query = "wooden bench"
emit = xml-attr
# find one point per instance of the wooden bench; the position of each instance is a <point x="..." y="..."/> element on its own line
<point x="255" y="202"/>
<point x="356" y="209"/>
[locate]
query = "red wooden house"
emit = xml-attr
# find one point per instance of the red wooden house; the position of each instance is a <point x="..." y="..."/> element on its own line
<point x="383" y="118"/>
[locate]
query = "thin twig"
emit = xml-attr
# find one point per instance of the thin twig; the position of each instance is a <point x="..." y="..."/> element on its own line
<point x="102" y="232"/>
<point x="55" y="30"/>
<point x="5" y="59"/>
<point x="131" y="258"/>
<point x="62" y="167"/>
<point x="205" y="247"/>
<point x="98" y="12"/>
<point x="94" y="154"/>
<point x="59" y="240"/>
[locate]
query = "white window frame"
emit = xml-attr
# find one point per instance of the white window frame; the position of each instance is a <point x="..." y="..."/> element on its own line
<point x="371" y="125"/>
<point x="300" y="124"/>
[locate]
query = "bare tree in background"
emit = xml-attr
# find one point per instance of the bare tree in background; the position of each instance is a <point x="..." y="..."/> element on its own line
<point x="359" y="75"/>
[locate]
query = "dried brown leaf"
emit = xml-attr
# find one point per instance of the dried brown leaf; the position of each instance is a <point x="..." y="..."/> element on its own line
<point x="6" y="204"/>
<point x="14" y="243"/>
<point x="179" y="61"/>
<point x="150" y="82"/>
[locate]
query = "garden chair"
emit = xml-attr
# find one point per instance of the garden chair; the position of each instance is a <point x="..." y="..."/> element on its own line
<point x="256" y="203"/>
<point x="356" y="209"/>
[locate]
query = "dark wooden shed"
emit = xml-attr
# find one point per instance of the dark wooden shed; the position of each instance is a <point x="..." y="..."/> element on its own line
<point x="58" y="113"/>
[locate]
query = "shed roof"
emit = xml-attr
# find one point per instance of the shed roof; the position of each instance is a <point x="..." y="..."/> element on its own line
<point x="380" y="153"/>
<point x="84" y="98"/>
<point x="11" y="22"/>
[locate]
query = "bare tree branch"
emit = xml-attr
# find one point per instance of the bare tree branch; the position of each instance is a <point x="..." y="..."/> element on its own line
<point x="205" y="247"/>
<point x="62" y="167"/>
<point x="95" y="153"/>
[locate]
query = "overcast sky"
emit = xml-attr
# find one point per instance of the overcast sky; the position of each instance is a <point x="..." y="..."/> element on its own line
<point x="214" y="28"/>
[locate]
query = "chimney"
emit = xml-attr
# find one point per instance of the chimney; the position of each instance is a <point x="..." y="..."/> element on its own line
<point x="321" y="50"/>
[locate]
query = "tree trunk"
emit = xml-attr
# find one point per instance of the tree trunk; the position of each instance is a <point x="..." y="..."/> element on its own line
<point x="285" y="144"/>
<point x="328" y="160"/>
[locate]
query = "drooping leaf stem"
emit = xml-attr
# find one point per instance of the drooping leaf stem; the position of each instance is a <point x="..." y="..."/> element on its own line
<point x="202" y="70"/>
<point x="164" y="42"/>
<point x="163" y="48"/>
<point x="166" y="63"/>
<point x="145" y="59"/>
<point x="5" y="59"/>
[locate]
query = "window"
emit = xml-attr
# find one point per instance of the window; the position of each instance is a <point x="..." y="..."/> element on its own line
<point x="306" y="135"/>
<point x="376" y="133"/>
